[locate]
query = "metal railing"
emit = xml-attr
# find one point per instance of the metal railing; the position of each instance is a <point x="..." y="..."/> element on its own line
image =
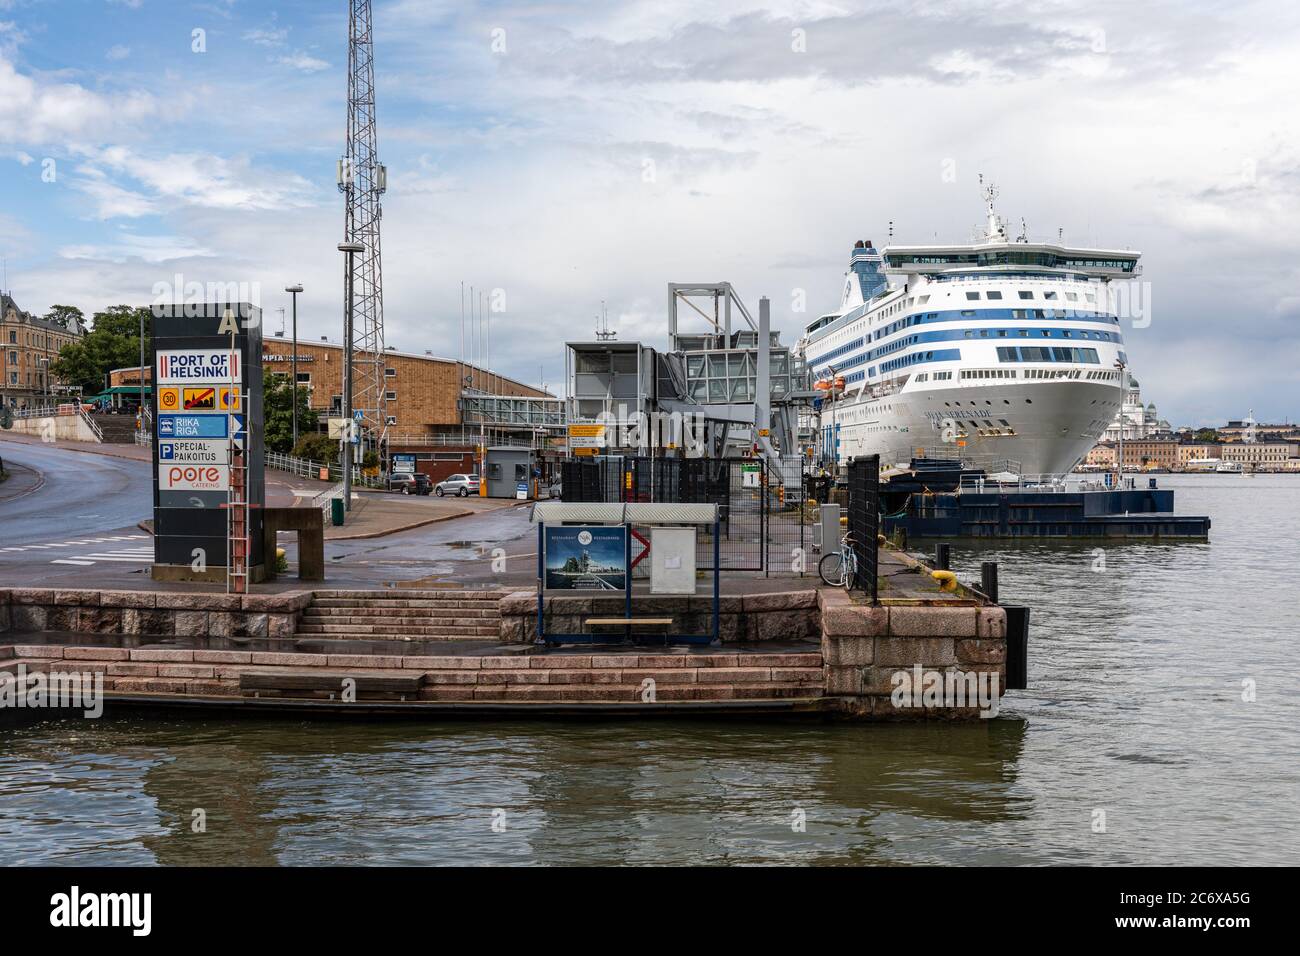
<point x="976" y="484"/>
<point x="38" y="411"/>
<point x="305" y="468"/>
<point x="469" y="438"/>
<point x="90" y="423"/>
<point x="322" y="500"/>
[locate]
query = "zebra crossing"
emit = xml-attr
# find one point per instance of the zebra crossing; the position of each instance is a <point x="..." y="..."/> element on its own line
<point x="118" y="548"/>
<point x="128" y="555"/>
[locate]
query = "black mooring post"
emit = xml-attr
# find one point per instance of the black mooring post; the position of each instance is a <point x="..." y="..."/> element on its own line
<point x="943" y="557"/>
<point x="989" y="580"/>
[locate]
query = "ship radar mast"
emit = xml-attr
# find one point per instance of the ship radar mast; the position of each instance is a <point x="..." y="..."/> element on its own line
<point x="996" y="228"/>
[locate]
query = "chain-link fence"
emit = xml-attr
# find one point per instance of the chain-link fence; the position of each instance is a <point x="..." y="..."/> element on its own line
<point x="764" y="523"/>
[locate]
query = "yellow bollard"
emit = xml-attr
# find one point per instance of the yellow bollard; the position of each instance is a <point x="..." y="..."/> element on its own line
<point x="947" y="580"/>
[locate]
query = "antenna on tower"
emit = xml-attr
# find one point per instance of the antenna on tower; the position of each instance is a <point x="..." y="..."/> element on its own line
<point x="1024" y="231"/>
<point x="602" y="324"/>
<point x="995" y="229"/>
<point x="362" y="179"/>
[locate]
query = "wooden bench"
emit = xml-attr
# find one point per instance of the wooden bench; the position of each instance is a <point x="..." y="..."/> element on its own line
<point x="329" y="686"/>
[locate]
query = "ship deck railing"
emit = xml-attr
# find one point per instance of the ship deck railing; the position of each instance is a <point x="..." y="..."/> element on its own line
<point x="1039" y="484"/>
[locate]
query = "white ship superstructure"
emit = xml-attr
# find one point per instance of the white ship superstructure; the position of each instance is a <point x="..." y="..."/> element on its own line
<point x="1002" y="352"/>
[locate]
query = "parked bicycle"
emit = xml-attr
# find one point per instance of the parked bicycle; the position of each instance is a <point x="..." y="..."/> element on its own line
<point x="839" y="568"/>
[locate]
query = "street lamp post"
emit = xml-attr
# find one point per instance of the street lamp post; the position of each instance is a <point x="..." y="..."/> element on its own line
<point x="295" y="289"/>
<point x="140" y="416"/>
<point x="350" y="249"/>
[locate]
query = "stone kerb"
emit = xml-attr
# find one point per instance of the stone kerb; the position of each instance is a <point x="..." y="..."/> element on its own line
<point x="153" y="613"/>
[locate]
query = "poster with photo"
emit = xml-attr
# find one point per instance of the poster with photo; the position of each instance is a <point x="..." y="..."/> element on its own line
<point x="586" y="558"/>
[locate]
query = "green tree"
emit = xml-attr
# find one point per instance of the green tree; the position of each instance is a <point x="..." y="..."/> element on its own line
<point x="277" y="409"/>
<point x="1207" y="434"/>
<point x="318" y="447"/>
<point x="113" y="342"/>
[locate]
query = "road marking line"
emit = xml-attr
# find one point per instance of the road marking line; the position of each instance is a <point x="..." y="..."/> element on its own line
<point x="71" y="561"/>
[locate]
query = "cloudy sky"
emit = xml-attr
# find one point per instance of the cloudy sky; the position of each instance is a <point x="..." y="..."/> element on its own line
<point x="573" y="152"/>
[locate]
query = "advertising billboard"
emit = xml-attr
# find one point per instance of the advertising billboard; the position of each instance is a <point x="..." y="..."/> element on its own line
<point x="586" y="558"/>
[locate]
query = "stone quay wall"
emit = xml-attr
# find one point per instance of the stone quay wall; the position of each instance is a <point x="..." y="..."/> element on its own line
<point x="151" y="613"/>
<point x="865" y="650"/>
<point x="749" y="618"/>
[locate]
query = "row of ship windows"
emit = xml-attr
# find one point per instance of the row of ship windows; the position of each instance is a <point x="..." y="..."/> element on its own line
<point x="894" y="346"/>
<point x="993" y="294"/>
<point x="1026" y="294"/>
<point x="1034" y="353"/>
<point x="948" y="316"/>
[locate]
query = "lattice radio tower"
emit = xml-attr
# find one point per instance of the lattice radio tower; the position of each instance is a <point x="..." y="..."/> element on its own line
<point x="363" y="179"/>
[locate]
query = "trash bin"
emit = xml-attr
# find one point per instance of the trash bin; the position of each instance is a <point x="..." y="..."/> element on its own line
<point x="336" y="511"/>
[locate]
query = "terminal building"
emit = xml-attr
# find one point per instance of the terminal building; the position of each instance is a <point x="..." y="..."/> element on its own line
<point x="442" y="410"/>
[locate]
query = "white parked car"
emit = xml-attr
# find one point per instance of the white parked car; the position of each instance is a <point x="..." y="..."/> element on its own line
<point x="461" y="485"/>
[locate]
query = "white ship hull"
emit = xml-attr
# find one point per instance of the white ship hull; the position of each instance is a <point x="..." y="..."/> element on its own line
<point x="1048" y="434"/>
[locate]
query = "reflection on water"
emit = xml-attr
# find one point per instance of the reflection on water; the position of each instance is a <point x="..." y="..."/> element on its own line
<point x="1138" y="654"/>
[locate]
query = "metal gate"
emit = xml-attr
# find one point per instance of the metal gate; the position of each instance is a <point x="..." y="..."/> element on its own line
<point x="864" y="522"/>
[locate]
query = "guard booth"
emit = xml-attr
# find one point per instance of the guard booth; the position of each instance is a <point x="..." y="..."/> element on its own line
<point x="508" y="467"/>
<point x="587" y="549"/>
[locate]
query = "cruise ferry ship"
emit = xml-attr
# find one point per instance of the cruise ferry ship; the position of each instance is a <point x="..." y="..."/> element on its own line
<point x="1003" y="352"/>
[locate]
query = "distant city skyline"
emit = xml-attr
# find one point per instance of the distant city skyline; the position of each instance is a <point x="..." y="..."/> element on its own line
<point x="571" y="153"/>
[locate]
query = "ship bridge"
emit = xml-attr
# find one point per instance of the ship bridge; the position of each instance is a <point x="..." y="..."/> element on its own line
<point x="936" y="260"/>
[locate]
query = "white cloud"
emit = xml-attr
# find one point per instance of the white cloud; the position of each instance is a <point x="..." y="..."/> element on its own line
<point x="43" y="112"/>
<point x="174" y="180"/>
<point x="302" y="61"/>
<point x="117" y="52"/>
<point x="149" y="249"/>
<point x="266" y="37"/>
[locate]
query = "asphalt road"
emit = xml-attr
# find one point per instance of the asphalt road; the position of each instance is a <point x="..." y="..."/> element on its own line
<point x="77" y="527"/>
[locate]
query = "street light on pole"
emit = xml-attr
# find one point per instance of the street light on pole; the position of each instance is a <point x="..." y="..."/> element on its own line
<point x="140" y="415"/>
<point x="350" y="249"/>
<point x="295" y="289"/>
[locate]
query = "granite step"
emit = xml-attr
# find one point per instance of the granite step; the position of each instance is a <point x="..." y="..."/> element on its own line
<point x="397" y="616"/>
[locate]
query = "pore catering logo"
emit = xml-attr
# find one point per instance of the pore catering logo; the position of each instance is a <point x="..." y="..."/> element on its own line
<point x="179" y="477"/>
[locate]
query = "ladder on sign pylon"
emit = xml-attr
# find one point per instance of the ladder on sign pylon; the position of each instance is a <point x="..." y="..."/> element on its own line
<point x="237" y="526"/>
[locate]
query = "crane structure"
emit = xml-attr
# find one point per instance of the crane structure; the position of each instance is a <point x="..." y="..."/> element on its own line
<point x="362" y="179"/>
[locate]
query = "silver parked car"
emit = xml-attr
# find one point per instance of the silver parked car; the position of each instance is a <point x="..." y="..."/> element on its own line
<point x="461" y="485"/>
